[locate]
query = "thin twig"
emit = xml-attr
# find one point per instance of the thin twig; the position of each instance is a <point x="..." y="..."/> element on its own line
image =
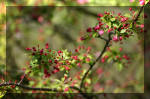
<point x="102" y="38"/>
<point x="99" y="57"/>
<point x="28" y="88"/>
<point x="138" y="15"/>
<point x="22" y="79"/>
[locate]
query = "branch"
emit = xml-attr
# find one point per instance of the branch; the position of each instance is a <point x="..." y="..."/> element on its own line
<point x="42" y="89"/>
<point x="103" y="38"/>
<point x="106" y="45"/>
<point x="137" y="16"/>
<point x="99" y="57"/>
<point x="84" y="94"/>
<point x="22" y="79"/>
<point x="28" y="88"/>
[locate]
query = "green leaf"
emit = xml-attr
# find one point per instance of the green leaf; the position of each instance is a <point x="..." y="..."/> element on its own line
<point x="109" y="24"/>
<point x="112" y="19"/>
<point x="88" y="81"/>
<point x="120" y="67"/>
<point x="109" y="59"/>
<point x="116" y="25"/>
<point x="91" y="62"/>
<point x="123" y="31"/>
<point x="95" y="35"/>
<point x="127" y="15"/>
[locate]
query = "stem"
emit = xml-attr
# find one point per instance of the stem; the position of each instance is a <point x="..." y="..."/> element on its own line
<point x="22" y="79"/>
<point x="99" y="57"/>
<point x="138" y="15"/>
<point x="28" y="88"/>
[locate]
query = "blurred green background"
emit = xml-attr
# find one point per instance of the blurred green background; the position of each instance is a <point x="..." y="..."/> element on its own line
<point x="62" y="27"/>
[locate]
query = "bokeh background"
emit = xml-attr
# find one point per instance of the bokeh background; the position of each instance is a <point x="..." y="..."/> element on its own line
<point x="62" y="28"/>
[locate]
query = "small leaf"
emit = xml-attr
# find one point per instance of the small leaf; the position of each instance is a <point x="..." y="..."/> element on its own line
<point x="120" y="67"/>
<point x="123" y="31"/>
<point x="115" y="25"/>
<point x="109" y="24"/>
<point x="95" y="35"/>
<point x="112" y="19"/>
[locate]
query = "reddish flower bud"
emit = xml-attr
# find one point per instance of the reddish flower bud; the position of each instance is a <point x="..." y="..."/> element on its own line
<point x="106" y="57"/>
<point x="40" y="19"/>
<point x="28" y="49"/>
<point x="50" y="61"/>
<point x="82" y="38"/>
<point x="115" y="38"/>
<point x="109" y="30"/>
<point x="100" y="15"/>
<point x="46" y="46"/>
<point x="142" y="25"/>
<point x="96" y="27"/>
<point x="33" y="53"/>
<point x="56" y="61"/>
<point x="34" y="49"/>
<point x="99" y="71"/>
<point x="101" y="32"/>
<point x="66" y="89"/>
<point x="45" y="54"/>
<point x="89" y="29"/>
<point x="75" y="57"/>
<point x="126" y="57"/>
<point x="67" y="68"/>
<point x="87" y="59"/>
<point x="88" y="49"/>
<point x="130" y="9"/>
<point x="22" y="76"/>
<point x="119" y="14"/>
<point x="79" y="65"/>
<point x="117" y="57"/>
<point x="76" y="50"/>
<point x="120" y="49"/>
<point x="103" y="60"/>
<point x="120" y="38"/>
<point x="41" y="51"/>
<point x="56" y="70"/>
<point x="106" y="26"/>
